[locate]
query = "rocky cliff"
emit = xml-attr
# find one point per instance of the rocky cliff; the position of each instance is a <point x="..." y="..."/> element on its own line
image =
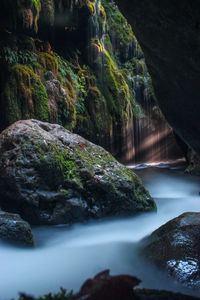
<point x="168" y="32"/>
<point x="77" y="63"/>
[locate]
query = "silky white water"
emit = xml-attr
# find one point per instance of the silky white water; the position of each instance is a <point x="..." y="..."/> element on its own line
<point x="66" y="256"/>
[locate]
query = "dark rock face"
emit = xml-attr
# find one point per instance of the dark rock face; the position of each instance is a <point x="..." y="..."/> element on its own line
<point x="168" y="32"/>
<point x="50" y="176"/>
<point x="104" y="286"/>
<point x="175" y="247"/>
<point x="194" y="163"/>
<point x="14" y="229"/>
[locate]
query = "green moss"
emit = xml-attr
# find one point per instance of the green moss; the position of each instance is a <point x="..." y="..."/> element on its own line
<point x="40" y="98"/>
<point x="66" y="112"/>
<point x="119" y="30"/>
<point x="66" y="70"/>
<point x="91" y="7"/>
<point x="24" y="95"/>
<point x="67" y="102"/>
<point x="115" y="89"/>
<point x="102" y="11"/>
<point x="49" y="62"/>
<point x="59" y="159"/>
<point x="66" y="166"/>
<point x="35" y="6"/>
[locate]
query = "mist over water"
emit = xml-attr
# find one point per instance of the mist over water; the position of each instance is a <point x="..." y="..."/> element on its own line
<point x="67" y="256"/>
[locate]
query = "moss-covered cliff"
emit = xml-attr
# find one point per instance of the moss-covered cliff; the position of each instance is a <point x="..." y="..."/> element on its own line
<point x="76" y="63"/>
<point x="72" y="63"/>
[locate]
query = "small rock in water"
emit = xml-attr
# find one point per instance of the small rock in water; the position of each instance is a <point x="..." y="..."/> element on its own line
<point x="14" y="229"/>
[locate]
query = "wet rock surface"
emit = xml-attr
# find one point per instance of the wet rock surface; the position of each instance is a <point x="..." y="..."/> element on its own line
<point x="104" y="286"/>
<point x="175" y="247"/>
<point x="50" y="176"/>
<point x="145" y="294"/>
<point x="14" y="229"/>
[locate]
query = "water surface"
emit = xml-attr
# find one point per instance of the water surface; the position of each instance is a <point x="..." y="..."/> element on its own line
<point x="68" y="256"/>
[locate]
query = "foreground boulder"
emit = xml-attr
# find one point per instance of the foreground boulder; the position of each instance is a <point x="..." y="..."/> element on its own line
<point x="14" y="229"/>
<point x="175" y="247"/>
<point x="106" y="287"/>
<point x="50" y="176"/>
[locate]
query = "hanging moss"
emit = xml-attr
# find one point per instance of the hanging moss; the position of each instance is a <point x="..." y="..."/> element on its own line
<point x="48" y="62"/>
<point x="24" y="96"/>
<point x="119" y="30"/>
<point x="114" y="89"/>
<point x="91" y="7"/>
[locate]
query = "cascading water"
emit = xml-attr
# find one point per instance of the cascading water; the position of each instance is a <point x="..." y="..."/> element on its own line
<point x="153" y="139"/>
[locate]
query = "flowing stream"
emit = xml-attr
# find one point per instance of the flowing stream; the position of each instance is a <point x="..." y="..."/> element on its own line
<point x="67" y="256"/>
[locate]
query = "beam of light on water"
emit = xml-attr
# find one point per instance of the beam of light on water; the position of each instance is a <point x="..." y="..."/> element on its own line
<point x="66" y="256"/>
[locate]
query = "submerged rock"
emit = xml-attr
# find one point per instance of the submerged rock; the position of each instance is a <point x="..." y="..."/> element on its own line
<point x="175" y="247"/>
<point x="14" y="229"/>
<point x="50" y="176"/>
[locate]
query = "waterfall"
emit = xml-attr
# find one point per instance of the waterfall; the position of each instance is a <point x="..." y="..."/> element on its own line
<point x="148" y="137"/>
<point x="153" y="138"/>
<point x="145" y="136"/>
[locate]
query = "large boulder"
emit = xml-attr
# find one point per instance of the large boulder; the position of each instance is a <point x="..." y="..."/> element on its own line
<point x="14" y="229"/>
<point x="168" y="32"/>
<point x="175" y="247"/>
<point x="49" y="176"/>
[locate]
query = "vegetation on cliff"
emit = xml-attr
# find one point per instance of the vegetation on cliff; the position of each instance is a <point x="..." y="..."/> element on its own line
<point x="90" y="88"/>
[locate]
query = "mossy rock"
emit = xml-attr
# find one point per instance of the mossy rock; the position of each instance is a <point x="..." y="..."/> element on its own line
<point x="50" y="176"/>
<point x="15" y="230"/>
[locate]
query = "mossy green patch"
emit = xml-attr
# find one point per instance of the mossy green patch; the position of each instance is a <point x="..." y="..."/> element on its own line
<point x="115" y="89"/>
<point x="49" y="62"/>
<point x="119" y="30"/>
<point x="24" y="95"/>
